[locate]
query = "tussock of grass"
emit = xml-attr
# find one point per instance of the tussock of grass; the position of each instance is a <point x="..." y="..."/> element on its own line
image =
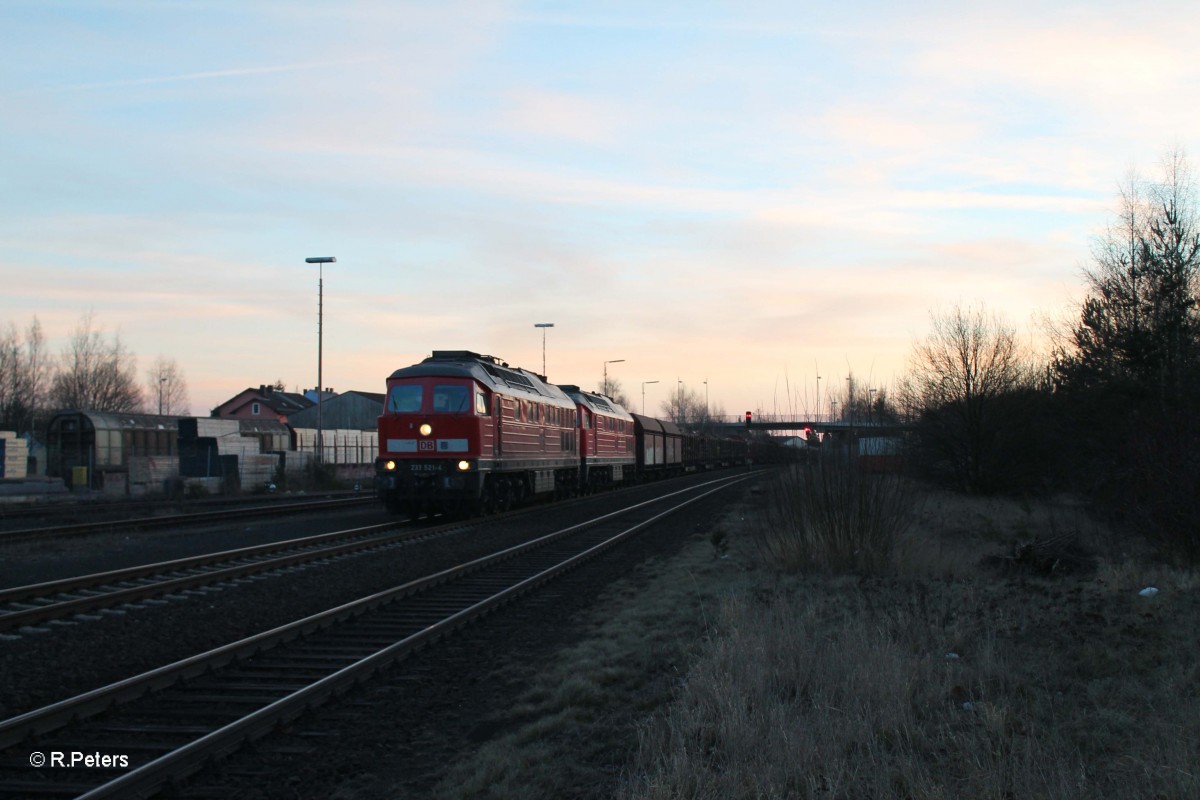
<point x="827" y="515"/>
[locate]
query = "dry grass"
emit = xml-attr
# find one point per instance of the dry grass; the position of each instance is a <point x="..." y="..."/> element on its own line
<point x="827" y="516"/>
<point x="943" y="679"/>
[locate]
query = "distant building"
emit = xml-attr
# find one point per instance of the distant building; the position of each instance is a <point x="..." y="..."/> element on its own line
<point x="347" y="411"/>
<point x="265" y="402"/>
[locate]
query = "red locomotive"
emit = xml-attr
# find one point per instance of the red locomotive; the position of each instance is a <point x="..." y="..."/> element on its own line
<point x="467" y="433"/>
<point x="606" y="437"/>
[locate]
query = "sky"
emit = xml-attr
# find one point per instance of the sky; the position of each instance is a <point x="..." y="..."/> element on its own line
<point x="752" y="194"/>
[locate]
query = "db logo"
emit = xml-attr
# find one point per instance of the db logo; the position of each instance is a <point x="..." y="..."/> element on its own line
<point x="426" y="445"/>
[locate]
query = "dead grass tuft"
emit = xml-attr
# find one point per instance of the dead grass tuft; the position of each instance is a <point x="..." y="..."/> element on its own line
<point x="829" y="516"/>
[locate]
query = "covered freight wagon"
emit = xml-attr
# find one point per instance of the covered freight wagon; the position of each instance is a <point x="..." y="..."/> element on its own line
<point x="112" y="451"/>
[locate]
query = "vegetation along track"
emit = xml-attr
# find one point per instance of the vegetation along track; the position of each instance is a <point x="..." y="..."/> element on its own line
<point x="170" y="721"/>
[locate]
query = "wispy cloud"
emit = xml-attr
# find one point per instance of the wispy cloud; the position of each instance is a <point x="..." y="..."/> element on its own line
<point x="237" y="72"/>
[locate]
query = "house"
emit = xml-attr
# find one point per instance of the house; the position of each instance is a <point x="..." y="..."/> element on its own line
<point x="265" y="402"/>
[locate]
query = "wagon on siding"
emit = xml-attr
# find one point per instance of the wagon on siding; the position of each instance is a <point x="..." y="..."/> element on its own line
<point x="113" y="452"/>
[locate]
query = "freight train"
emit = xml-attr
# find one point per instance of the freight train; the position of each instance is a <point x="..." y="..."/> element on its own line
<point x="464" y="433"/>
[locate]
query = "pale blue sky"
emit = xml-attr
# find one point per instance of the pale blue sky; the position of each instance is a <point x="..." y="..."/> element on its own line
<point x="743" y="192"/>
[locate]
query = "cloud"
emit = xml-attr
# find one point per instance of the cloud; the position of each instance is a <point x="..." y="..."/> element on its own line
<point x="561" y="115"/>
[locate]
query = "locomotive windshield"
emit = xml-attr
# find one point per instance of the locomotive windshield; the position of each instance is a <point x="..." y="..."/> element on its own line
<point x="405" y="398"/>
<point x="411" y="398"/>
<point x="451" y="399"/>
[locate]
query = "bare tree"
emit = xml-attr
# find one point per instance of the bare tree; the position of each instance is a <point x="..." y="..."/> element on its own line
<point x="24" y="375"/>
<point x="11" y="378"/>
<point x="686" y="406"/>
<point x="39" y="367"/>
<point x="96" y="373"/>
<point x="168" y="387"/>
<point x="964" y="381"/>
<point x="864" y="404"/>
<point x="614" y="391"/>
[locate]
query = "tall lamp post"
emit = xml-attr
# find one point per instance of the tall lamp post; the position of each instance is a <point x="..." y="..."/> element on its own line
<point x="543" y="326"/>
<point x="644" y="384"/>
<point x="321" y="261"/>
<point x="606" y="363"/>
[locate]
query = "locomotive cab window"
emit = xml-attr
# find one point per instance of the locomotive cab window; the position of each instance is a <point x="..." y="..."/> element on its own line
<point x="481" y="404"/>
<point x="405" y="398"/>
<point x="451" y="399"/>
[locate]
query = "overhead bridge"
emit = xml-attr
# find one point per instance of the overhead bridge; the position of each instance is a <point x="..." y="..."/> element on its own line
<point x="783" y="423"/>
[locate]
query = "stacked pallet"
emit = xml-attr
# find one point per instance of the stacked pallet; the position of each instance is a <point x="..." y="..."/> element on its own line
<point x="217" y="448"/>
<point x="258" y="469"/>
<point x="14" y="455"/>
<point x="151" y="473"/>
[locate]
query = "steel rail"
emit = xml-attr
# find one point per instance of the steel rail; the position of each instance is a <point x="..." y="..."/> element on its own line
<point x="199" y="517"/>
<point x="36" y="614"/>
<point x="186" y="759"/>
<point x="296" y="551"/>
<point x="44" y="612"/>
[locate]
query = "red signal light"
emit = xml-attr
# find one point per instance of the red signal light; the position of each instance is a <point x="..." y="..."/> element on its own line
<point x="748" y="418"/>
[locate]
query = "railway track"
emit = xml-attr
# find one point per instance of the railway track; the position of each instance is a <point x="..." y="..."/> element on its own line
<point x="71" y="506"/>
<point x="164" y="724"/>
<point x="39" y="603"/>
<point x="173" y="520"/>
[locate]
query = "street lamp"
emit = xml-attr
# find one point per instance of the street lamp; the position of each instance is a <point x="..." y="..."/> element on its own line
<point x="543" y="326"/>
<point x="606" y="363"/>
<point x="161" y="380"/>
<point x="321" y="261"/>
<point x="644" y="384"/>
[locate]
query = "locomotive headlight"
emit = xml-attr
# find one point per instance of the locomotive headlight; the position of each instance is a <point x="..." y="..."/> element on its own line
<point x="425" y="429"/>
<point x="389" y="466"/>
<point x="464" y="465"/>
